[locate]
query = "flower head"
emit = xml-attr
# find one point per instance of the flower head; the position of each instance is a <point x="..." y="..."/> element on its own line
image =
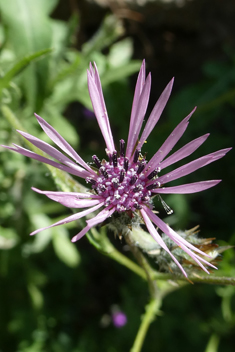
<point x="119" y="319"/>
<point x="126" y="182"/>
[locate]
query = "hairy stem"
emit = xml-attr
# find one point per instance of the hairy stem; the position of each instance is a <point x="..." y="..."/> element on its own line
<point x="196" y="278"/>
<point x="144" y="264"/>
<point x="155" y="301"/>
<point x="151" y="311"/>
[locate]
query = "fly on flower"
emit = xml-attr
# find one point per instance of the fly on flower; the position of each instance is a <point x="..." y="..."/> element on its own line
<point x="123" y="185"/>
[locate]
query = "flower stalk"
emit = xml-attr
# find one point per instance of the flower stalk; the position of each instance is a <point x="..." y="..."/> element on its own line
<point x="151" y="311"/>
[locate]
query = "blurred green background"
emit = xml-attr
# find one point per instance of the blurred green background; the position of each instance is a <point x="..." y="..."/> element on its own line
<point x="56" y="296"/>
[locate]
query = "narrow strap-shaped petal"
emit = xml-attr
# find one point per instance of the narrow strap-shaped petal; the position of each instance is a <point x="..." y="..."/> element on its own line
<point x="81" y="233"/>
<point x="185" y="246"/>
<point x="77" y="194"/>
<point x="176" y="237"/>
<point x="192" y="166"/>
<point x="139" y="117"/>
<point x="70" y="218"/>
<point x="180" y="241"/>
<point x="62" y="143"/>
<point x="102" y="216"/>
<point x="156" y="113"/>
<point x="185" y="151"/>
<point x="169" y="143"/>
<point x="138" y="90"/>
<point x="98" y="84"/>
<point x="69" y="199"/>
<point x="97" y="99"/>
<point x="78" y="171"/>
<point x="72" y="202"/>
<point x="197" y="258"/>
<point x="187" y="188"/>
<point x="47" y="148"/>
<point x="218" y="155"/>
<point x="153" y="232"/>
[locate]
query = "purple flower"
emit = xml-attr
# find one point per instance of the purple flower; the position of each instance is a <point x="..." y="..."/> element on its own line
<point x="119" y="319"/>
<point x="126" y="182"/>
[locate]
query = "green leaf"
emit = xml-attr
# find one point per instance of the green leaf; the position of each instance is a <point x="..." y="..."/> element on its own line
<point x="213" y="343"/>
<point x="8" y="238"/>
<point x="68" y="70"/>
<point x="59" y="38"/>
<point x="61" y="125"/>
<point x="36" y="296"/>
<point x="120" y="72"/>
<point x="109" y="31"/>
<point x="19" y="67"/>
<point x="28" y="31"/>
<point x="48" y="5"/>
<point x="65" y="250"/>
<point x="75" y="88"/>
<point x="42" y="240"/>
<point x="120" y="53"/>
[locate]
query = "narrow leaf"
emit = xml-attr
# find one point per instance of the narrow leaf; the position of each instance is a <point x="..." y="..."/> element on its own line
<point x="65" y="250"/>
<point x="20" y="66"/>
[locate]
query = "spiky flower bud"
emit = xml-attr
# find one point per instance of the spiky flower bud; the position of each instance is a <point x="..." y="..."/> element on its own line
<point x="146" y="243"/>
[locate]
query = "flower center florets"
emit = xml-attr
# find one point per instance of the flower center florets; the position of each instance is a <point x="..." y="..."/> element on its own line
<point x="123" y="183"/>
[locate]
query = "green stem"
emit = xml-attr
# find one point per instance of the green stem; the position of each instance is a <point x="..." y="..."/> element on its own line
<point x="203" y="279"/>
<point x="143" y="262"/>
<point x="101" y="242"/>
<point x="122" y="259"/>
<point x="151" y="311"/>
<point x="213" y="280"/>
<point x="155" y="302"/>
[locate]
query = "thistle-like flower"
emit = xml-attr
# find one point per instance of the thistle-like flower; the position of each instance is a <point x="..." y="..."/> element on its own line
<point x="126" y="183"/>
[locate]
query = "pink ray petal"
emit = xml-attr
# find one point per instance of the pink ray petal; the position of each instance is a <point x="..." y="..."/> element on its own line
<point x="139" y="117"/>
<point x="77" y="194"/>
<point x="187" y="188"/>
<point x="69" y="199"/>
<point x="156" y="113"/>
<point x="98" y="85"/>
<point x="102" y="216"/>
<point x="61" y="142"/>
<point x="192" y="166"/>
<point x="81" y="233"/>
<point x="47" y="148"/>
<point x="72" y="202"/>
<point x="97" y="99"/>
<point x="218" y="155"/>
<point x="70" y="218"/>
<point x="185" y="151"/>
<point x="169" y="143"/>
<point x="92" y="72"/>
<point x="180" y="241"/>
<point x="139" y="108"/>
<point x="138" y="90"/>
<point x="78" y="171"/>
<point x="153" y="232"/>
